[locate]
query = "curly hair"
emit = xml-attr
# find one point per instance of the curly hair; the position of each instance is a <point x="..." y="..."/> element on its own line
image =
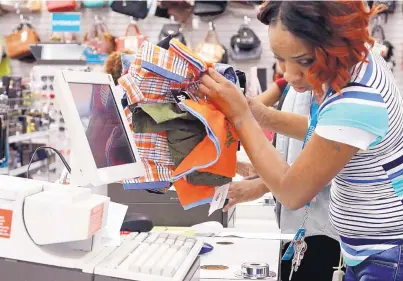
<point x="337" y="31"/>
<point x="113" y="64"/>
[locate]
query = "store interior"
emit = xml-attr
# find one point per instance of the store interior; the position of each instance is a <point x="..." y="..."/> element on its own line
<point x="36" y="138"/>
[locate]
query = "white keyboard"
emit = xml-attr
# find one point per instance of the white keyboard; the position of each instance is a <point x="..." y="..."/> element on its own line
<point x="148" y="257"/>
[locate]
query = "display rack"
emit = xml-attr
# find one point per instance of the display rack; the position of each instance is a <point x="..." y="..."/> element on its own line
<point x="31" y="140"/>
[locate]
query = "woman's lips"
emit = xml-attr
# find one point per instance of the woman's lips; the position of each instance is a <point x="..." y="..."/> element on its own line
<point x="300" y="89"/>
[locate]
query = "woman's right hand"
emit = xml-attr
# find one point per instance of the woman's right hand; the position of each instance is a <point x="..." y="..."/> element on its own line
<point x="245" y="169"/>
<point x="245" y="191"/>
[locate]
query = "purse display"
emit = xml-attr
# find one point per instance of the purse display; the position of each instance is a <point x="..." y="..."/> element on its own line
<point x="62" y="6"/>
<point x="99" y="39"/>
<point x="137" y="9"/>
<point x="17" y="43"/>
<point x="132" y="39"/>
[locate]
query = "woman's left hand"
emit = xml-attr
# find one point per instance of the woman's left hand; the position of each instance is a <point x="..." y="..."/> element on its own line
<point x="225" y="95"/>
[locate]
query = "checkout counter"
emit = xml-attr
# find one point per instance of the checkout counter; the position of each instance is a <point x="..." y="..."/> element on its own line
<point x="54" y="232"/>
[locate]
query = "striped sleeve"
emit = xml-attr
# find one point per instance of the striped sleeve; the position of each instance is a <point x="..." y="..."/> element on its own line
<point x="358" y="117"/>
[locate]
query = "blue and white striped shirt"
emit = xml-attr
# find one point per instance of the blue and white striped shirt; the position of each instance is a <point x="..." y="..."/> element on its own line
<point x="366" y="196"/>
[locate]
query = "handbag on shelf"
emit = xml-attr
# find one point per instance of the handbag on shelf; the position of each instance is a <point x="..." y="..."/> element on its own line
<point x="180" y="10"/>
<point x="204" y="8"/>
<point x="23" y="6"/>
<point x="211" y="50"/>
<point x="173" y="29"/>
<point x="132" y="39"/>
<point x="62" y="6"/>
<point x="137" y="9"/>
<point x="17" y="43"/>
<point x="97" y="3"/>
<point x="99" y="39"/>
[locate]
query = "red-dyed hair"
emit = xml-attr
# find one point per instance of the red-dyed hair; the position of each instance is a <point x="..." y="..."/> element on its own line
<point x="337" y="31"/>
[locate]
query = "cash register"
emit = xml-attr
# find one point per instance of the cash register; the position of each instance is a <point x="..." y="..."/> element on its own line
<point x="51" y="231"/>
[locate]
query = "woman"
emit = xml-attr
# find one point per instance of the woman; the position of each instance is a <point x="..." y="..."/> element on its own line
<point x="356" y="121"/>
<point x="320" y="235"/>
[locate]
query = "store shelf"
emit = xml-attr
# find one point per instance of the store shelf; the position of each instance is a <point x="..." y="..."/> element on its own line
<point x="27" y="137"/>
<point x="23" y="169"/>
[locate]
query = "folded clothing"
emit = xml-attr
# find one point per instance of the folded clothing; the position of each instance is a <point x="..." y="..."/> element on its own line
<point x="184" y="132"/>
<point x="151" y="78"/>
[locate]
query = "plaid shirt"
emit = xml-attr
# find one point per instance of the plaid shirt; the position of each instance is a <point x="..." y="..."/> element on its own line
<point x="152" y="75"/>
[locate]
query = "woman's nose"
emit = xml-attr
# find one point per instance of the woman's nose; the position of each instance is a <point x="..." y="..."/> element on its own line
<point x="292" y="77"/>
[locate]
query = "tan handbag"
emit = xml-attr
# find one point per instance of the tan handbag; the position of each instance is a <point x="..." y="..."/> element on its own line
<point x="210" y="50"/>
<point x="132" y="39"/>
<point x="17" y="43"/>
<point x="24" y="6"/>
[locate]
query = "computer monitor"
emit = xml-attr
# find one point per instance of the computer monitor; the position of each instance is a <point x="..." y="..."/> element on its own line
<point x="103" y="146"/>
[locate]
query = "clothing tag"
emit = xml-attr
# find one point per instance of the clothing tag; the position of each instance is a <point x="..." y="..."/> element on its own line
<point x="179" y="97"/>
<point x="290" y="250"/>
<point x="219" y="197"/>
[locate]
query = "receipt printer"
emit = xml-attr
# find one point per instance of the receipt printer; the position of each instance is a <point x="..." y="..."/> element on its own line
<point x="49" y="223"/>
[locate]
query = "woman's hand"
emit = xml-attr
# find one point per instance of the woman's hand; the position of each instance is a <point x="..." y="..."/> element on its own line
<point x="245" y="191"/>
<point x="224" y="95"/>
<point x="245" y="169"/>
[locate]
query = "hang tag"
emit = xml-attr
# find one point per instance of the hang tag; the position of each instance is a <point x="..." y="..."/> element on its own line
<point x="180" y="96"/>
<point x="219" y="197"/>
<point x="290" y="250"/>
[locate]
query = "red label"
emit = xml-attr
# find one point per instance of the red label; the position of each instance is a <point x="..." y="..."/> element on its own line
<point x="6" y="218"/>
<point x="97" y="215"/>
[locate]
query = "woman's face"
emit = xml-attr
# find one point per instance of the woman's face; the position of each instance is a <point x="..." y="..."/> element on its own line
<point x="293" y="56"/>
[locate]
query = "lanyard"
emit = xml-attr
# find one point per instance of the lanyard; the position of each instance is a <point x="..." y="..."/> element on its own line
<point x="313" y="122"/>
<point x="313" y="116"/>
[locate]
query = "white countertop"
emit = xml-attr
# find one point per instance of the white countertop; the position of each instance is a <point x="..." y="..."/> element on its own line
<point x="243" y="250"/>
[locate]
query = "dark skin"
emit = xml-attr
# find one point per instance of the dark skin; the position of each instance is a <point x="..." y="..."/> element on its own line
<point x="296" y="185"/>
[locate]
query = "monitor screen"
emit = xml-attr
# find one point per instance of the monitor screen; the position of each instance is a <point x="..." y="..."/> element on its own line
<point x="102" y="123"/>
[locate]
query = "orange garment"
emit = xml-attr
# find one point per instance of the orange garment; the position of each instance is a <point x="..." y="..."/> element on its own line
<point x="224" y="158"/>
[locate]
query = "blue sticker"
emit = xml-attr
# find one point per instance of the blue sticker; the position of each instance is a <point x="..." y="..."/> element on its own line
<point x="66" y="22"/>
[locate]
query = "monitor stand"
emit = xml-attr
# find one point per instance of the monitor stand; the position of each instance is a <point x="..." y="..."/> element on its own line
<point x="77" y="178"/>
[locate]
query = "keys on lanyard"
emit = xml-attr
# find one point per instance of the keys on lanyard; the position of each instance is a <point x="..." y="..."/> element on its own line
<point x="300" y="247"/>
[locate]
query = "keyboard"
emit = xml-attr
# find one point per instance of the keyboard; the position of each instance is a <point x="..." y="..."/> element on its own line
<point x="155" y="256"/>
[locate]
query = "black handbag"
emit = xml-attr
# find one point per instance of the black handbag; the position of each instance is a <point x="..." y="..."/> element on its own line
<point x="209" y="8"/>
<point x="137" y="9"/>
<point x="173" y="30"/>
<point x="245" y="39"/>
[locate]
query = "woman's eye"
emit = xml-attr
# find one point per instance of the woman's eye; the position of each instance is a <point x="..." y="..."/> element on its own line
<point x="279" y="59"/>
<point x="306" y="62"/>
